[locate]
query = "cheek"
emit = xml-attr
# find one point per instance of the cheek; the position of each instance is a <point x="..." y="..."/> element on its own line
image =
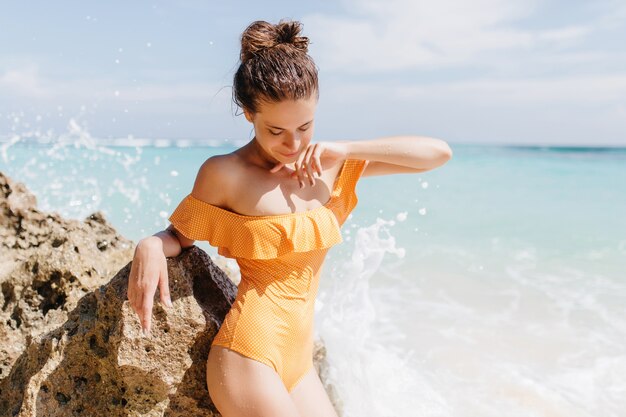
<point x="269" y="140"/>
<point x="308" y="135"/>
<point x="268" y="143"/>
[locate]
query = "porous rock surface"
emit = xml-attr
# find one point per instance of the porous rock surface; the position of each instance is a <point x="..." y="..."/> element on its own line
<point x="47" y="263"/>
<point x="98" y="363"/>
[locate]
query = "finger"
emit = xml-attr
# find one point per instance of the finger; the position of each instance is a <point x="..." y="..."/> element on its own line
<point x="309" y="167"/>
<point x="318" y="161"/>
<point x="318" y="164"/>
<point x="146" y="287"/>
<point x="141" y="284"/>
<point x="164" y="287"/>
<point x="299" y="173"/>
<point x="137" y="297"/>
<point x="146" y="312"/>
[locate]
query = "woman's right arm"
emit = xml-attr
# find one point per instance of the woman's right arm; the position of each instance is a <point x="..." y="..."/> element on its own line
<point x="149" y="269"/>
<point x="149" y="266"/>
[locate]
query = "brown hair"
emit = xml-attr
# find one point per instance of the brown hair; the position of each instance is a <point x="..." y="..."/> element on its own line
<point x="274" y="65"/>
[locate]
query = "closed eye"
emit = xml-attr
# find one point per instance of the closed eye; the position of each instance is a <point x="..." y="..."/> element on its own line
<point x="278" y="133"/>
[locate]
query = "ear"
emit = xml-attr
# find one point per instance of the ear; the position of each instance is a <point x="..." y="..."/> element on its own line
<point x="248" y="115"/>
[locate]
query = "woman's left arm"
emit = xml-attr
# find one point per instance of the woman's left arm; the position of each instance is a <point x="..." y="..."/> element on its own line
<point x="399" y="154"/>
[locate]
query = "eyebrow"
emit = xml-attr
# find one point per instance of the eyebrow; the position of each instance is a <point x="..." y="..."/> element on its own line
<point x="276" y="127"/>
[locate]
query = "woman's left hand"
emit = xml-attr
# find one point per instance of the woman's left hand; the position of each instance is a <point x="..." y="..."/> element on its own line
<point x="314" y="158"/>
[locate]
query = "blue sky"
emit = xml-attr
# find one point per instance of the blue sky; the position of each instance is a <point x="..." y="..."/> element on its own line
<point x="485" y="71"/>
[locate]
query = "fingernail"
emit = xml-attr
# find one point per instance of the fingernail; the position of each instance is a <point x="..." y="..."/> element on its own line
<point x="169" y="302"/>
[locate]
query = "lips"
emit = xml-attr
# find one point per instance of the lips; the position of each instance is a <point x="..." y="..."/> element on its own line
<point x="290" y="154"/>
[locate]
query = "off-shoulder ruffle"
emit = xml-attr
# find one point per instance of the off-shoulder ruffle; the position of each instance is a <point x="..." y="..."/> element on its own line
<point x="256" y="237"/>
<point x="269" y="237"/>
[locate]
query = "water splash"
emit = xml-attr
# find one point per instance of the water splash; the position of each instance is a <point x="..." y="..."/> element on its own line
<point x="367" y="364"/>
<point x="66" y="173"/>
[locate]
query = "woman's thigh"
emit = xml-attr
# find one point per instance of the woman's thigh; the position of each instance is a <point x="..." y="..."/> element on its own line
<point x="243" y="387"/>
<point x="311" y="398"/>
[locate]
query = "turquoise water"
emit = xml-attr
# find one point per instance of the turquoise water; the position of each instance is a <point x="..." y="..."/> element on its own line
<point x="494" y="283"/>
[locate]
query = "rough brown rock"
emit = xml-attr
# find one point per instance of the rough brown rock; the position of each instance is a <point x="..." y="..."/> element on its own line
<point x="98" y="363"/>
<point x="47" y="264"/>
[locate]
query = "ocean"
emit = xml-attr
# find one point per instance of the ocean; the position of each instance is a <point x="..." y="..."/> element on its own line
<point x="493" y="285"/>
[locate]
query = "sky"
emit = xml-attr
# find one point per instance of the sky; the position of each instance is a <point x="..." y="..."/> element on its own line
<point x="529" y="72"/>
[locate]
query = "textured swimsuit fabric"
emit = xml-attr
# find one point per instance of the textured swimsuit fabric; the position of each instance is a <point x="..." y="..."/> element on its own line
<point x="280" y="257"/>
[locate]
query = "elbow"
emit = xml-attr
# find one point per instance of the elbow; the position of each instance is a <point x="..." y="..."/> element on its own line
<point x="446" y="151"/>
<point x="442" y="153"/>
<point x="183" y="241"/>
<point x="433" y="153"/>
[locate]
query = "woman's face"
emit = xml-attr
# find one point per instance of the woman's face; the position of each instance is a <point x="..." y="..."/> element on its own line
<point x="285" y="127"/>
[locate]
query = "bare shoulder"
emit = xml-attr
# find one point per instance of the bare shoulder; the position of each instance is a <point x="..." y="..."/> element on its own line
<point x="215" y="178"/>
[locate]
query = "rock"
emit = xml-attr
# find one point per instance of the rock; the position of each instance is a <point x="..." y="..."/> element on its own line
<point x="99" y="363"/>
<point x="47" y="264"/>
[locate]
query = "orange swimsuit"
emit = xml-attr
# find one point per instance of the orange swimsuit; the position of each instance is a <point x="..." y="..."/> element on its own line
<point x="280" y="258"/>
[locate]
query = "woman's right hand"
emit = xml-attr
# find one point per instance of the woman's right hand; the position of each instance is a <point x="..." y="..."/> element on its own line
<point x="148" y="268"/>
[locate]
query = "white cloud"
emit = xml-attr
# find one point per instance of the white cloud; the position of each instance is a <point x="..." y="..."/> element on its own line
<point x="564" y="34"/>
<point x="615" y="15"/>
<point x="409" y="34"/>
<point x="24" y="82"/>
<point x="584" y="90"/>
<point x="27" y="83"/>
<point x="572" y="109"/>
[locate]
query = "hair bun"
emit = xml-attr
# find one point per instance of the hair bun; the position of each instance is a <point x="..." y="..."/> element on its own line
<point x="261" y="35"/>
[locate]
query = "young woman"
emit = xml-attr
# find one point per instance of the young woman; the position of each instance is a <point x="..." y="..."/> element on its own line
<point x="276" y="205"/>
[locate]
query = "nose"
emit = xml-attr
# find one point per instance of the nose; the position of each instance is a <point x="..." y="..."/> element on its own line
<point x="292" y="143"/>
